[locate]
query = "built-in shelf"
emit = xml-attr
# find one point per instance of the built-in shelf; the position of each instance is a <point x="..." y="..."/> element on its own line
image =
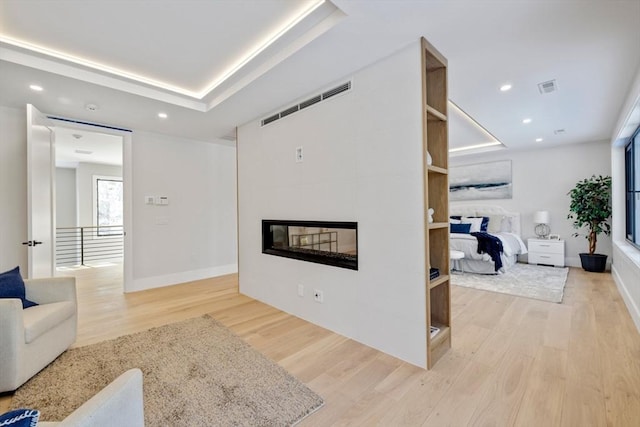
<point x="437" y="169"/>
<point x="433" y="114"/>
<point x="438" y="281"/>
<point x="436" y="225"/>
<point x="436" y="196"/>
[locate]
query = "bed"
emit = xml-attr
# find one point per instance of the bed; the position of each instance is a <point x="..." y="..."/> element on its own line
<point x="500" y="223"/>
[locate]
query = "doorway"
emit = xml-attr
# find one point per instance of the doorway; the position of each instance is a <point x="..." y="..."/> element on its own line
<point x="86" y="153"/>
<point x="88" y="199"/>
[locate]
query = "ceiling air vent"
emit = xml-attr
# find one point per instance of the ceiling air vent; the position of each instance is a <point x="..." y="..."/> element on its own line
<point x="559" y="132"/>
<point x="309" y="102"/>
<point x="548" y="86"/>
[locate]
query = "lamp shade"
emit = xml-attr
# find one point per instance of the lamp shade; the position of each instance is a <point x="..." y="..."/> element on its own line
<point x="541" y="217"/>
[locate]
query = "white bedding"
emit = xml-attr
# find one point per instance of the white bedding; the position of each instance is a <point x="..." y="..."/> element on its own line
<point x="474" y="262"/>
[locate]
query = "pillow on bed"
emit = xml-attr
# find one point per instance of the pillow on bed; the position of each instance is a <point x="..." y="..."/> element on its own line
<point x="495" y="223"/>
<point x="454" y="221"/>
<point x="506" y="225"/>
<point x="460" y="228"/>
<point x="476" y="223"/>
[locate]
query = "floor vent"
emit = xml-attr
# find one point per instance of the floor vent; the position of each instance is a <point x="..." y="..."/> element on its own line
<point x="548" y="86"/>
<point x="307" y="103"/>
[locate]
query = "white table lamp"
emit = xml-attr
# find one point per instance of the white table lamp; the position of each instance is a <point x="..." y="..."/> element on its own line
<point x="542" y="219"/>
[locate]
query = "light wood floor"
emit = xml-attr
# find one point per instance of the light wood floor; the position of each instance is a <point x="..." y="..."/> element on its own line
<point x="514" y="361"/>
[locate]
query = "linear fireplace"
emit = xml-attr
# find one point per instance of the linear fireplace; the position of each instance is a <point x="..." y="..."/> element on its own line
<point x="323" y="242"/>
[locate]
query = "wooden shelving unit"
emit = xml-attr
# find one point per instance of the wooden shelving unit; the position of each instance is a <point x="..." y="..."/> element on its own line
<point x="436" y="196"/>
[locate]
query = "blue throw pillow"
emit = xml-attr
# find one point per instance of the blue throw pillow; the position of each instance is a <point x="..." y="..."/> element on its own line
<point x="460" y="228"/>
<point x="12" y="286"/>
<point x="20" y="418"/>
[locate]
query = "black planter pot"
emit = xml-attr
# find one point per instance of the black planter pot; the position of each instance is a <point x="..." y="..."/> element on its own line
<point x="595" y="262"/>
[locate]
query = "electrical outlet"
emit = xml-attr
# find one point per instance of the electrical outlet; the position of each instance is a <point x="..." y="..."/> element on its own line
<point x="299" y="156"/>
<point x="318" y="296"/>
<point x="300" y="290"/>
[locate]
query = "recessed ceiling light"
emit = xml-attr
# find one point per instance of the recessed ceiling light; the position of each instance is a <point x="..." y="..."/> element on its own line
<point x="36" y="88"/>
<point x="505" y="88"/>
<point x="539" y="140"/>
<point x="163" y="115"/>
<point x="526" y="121"/>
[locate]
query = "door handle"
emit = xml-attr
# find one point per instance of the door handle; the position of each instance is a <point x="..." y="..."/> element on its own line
<point x="32" y="243"/>
<point x="36" y="243"/>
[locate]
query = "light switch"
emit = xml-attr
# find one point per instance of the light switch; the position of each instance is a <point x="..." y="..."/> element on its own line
<point x="149" y="200"/>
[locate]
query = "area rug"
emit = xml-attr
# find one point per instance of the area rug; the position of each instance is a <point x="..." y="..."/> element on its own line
<point x="196" y="373"/>
<point x="524" y="280"/>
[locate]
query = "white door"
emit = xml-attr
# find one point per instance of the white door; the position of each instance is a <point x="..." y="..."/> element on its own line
<point x="40" y="180"/>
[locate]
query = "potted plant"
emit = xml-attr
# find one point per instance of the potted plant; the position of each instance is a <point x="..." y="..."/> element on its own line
<point x="591" y="207"/>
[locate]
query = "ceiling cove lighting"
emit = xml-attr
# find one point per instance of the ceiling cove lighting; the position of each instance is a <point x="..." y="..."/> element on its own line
<point x="268" y="41"/>
<point x="473" y="147"/>
<point x="162" y="115"/>
<point x="261" y="46"/>
<point x="505" y="87"/>
<point x="36" y="88"/>
<point x="489" y="135"/>
<point x="526" y="121"/>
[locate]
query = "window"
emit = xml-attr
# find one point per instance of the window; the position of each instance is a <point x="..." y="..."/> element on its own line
<point x="632" y="187"/>
<point x="109" y="206"/>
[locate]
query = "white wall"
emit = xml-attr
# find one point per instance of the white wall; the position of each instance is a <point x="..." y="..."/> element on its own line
<point x="362" y="162"/>
<point x="199" y="240"/>
<point x="13" y="188"/>
<point x="194" y="237"/>
<point x="66" y="207"/>
<point x="85" y="189"/>
<point x="626" y="257"/>
<point x="541" y="180"/>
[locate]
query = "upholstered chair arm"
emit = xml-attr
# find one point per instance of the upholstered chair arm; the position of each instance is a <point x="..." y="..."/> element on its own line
<point x="11" y="339"/>
<point x="118" y="404"/>
<point x="52" y="289"/>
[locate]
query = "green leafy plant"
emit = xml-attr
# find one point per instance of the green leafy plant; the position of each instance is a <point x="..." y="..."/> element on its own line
<point x="591" y="207"/>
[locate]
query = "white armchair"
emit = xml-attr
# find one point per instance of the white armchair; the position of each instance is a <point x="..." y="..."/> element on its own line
<point x="119" y="404"/>
<point x="32" y="338"/>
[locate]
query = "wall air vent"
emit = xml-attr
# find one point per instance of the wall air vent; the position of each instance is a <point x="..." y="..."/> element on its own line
<point x="336" y="90"/>
<point x="548" y="86"/>
<point x="307" y="103"/>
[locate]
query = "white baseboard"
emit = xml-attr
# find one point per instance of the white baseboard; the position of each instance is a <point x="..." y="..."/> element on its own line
<point x="182" y="277"/>
<point x="634" y="310"/>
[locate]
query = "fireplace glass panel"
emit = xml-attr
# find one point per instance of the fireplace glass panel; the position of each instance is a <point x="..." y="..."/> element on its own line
<point x="324" y="242"/>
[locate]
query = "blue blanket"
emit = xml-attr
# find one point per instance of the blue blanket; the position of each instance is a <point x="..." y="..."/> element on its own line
<point x="491" y="245"/>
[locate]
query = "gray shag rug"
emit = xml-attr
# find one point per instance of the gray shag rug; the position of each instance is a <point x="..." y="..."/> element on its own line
<point x="196" y="373"/>
<point x="523" y="280"/>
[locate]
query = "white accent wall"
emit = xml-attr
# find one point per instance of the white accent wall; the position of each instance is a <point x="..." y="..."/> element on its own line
<point x="66" y="205"/>
<point x="626" y="257"/>
<point x="194" y="236"/>
<point x="362" y="162"/>
<point x="13" y="188"/>
<point x="541" y="180"/>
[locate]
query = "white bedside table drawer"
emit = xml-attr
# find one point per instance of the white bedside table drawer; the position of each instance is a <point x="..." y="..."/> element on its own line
<point x="547" y="247"/>
<point x="546" y="258"/>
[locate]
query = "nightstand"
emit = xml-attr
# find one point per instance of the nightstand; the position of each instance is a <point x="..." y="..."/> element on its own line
<point x="544" y="251"/>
